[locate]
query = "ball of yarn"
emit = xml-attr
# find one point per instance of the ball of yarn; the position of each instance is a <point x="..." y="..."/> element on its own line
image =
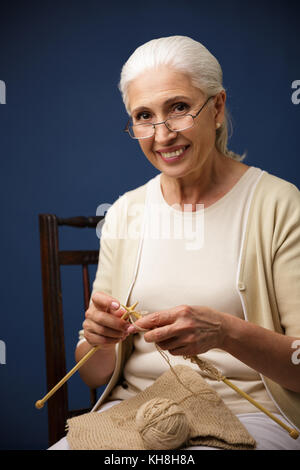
<point x="162" y="424"/>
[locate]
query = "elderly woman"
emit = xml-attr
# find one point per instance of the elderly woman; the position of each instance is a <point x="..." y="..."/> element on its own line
<point x="228" y="289"/>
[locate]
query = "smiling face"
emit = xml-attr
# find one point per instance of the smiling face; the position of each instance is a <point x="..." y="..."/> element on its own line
<point x="156" y="95"/>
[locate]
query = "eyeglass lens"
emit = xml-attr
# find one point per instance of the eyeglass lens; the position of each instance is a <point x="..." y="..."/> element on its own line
<point x="177" y="123"/>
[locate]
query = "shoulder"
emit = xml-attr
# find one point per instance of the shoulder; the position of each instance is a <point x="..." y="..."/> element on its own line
<point x="272" y="190"/>
<point x="274" y="209"/>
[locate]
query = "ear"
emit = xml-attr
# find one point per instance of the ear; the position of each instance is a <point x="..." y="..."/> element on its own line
<point x="219" y="107"/>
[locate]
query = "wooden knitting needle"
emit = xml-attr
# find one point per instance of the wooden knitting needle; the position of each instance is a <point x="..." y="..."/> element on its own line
<point x="216" y="374"/>
<point x="131" y="311"/>
<point x="292" y="432"/>
<point x="40" y="403"/>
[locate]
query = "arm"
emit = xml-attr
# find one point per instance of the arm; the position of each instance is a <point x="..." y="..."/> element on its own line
<point x="266" y="351"/>
<point x="278" y="245"/>
<point x="99" y="368"/>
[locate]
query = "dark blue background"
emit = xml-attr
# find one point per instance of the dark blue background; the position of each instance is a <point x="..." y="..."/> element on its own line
<point x="63" y="150"/>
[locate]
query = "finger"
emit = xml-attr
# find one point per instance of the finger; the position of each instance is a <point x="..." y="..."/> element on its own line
<point x="103" y="319"/>
<point x="172" y="343"/>
<point x="102" y="330"/>
<point x="105" y="302"/>
<point x="180" y="351"/>
<point x="103" y="341"/>
<point x="157" y="319"/>
<point x="162" y="334"/>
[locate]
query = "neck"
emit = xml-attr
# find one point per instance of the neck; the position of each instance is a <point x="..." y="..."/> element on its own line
<point x="205" y="185"/>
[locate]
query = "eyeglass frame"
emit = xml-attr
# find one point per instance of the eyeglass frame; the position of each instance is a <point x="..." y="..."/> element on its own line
<point x="164" y="122"/>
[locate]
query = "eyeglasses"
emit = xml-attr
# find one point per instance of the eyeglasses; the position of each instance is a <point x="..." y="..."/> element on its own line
<point x="173" y="123"/>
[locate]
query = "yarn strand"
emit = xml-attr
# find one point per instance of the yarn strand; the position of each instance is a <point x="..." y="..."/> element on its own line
<point x="165" y="357"/>
<point x="206" y="367"/>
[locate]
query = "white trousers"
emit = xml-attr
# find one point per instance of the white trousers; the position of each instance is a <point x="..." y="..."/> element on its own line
<point x="268" y="434"/>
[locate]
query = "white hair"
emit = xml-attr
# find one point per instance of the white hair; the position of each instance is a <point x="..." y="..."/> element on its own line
<point x="188" y="56"/>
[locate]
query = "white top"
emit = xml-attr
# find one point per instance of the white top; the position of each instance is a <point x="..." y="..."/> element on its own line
<point x="192" y="258"/>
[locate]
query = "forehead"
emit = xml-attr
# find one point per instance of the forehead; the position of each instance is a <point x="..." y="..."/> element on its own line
<point x="155" y="86"/>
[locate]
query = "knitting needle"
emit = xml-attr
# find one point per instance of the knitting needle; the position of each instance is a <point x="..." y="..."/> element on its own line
<point x="292" y="432"/>
<point x="216" y="374"/>
<point x="131" y="311"/>
<point x="40" y="403"/>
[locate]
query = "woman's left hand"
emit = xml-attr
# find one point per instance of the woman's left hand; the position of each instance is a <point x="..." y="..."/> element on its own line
<point x="184" y="330"/>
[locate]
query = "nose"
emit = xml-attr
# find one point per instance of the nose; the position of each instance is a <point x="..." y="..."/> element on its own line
<point x="163" y="135"/>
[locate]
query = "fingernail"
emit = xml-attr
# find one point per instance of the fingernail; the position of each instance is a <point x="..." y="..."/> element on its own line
<point x="115" y="305"/>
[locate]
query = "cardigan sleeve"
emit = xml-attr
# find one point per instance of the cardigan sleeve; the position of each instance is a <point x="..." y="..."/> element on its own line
<point x="286" y="260"/>
<point x="103" y="278"/>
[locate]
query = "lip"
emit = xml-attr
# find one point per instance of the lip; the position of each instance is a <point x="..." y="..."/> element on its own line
<point x="173" y="149"/>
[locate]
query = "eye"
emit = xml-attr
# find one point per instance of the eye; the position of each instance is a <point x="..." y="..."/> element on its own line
<point x="142" y="116"/>
<point x="180" y="108"/>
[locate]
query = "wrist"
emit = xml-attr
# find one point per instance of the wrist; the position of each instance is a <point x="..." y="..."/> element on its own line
<point x="231" y="331"/>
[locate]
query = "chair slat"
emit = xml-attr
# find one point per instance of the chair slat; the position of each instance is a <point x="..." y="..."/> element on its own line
<point x="77" y="257"/>
<point x="86" y="285"/>
<point x="80" y="222"/>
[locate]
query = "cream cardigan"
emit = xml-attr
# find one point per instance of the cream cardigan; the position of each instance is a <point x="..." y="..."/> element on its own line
<point x="268" y="277"/>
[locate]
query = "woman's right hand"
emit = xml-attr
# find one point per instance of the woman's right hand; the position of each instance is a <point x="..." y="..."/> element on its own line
<point x="103" y="324"/>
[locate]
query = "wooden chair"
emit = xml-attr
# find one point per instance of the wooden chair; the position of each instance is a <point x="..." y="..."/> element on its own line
<point x="51" y="260"/>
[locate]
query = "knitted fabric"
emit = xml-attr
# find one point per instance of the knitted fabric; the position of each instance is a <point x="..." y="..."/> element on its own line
<point x="211" y="422"/>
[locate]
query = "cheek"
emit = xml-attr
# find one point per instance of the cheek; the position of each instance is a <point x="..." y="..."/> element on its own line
<point x="202" y="137"/>
<point x="146" y="147"/>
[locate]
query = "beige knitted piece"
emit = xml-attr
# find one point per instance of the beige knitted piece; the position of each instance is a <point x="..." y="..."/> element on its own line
<point x="211" y="421"/>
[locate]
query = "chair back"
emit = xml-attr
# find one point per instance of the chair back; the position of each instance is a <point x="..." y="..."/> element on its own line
<point x="52" y="258"/>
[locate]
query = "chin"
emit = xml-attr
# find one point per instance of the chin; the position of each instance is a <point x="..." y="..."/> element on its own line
<point x="178" y="170"/>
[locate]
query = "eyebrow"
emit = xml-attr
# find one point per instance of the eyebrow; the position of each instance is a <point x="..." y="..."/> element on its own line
<point x="166" y="103"/>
